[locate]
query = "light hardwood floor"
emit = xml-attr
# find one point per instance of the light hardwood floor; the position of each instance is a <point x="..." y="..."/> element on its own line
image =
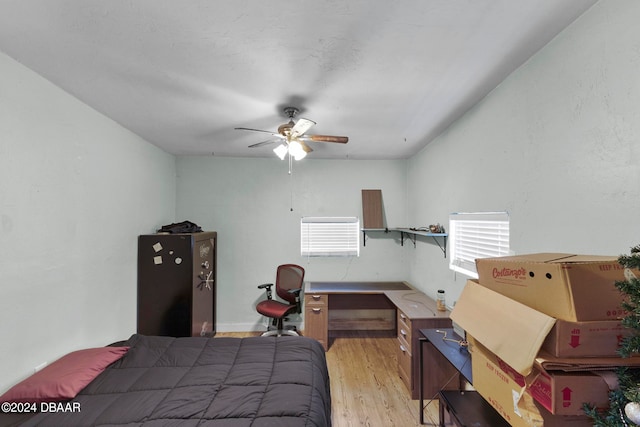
<point x="365" y="387"/>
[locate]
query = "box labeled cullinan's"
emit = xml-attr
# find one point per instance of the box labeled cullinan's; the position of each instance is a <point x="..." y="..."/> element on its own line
<point x="598" y="338"/>
<point x="565" y="286"/>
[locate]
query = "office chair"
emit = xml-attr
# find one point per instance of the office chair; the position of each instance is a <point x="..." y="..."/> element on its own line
<point x="289" y="279"/>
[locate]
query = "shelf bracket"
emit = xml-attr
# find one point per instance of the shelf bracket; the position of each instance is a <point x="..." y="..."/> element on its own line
<point x="412" y="237"/>
<point x="364" y="234"/>
<point x="443" y="247"/>
<point x="408" y="235"/>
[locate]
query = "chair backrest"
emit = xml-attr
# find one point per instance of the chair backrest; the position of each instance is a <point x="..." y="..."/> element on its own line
<point x="288" y="277"/>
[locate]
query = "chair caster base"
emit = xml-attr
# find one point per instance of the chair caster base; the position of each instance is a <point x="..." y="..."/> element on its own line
<point x="279" y="333"/>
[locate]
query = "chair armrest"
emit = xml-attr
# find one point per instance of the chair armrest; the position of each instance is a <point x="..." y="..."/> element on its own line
<point x="267" y="286"/>
<point x="296" y="292"/>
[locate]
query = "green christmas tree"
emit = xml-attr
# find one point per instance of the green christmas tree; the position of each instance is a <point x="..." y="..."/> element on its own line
<point x="624" y="407"/>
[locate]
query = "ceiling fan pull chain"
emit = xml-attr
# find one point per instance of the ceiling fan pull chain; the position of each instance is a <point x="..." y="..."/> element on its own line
<point x="290" y="193"/>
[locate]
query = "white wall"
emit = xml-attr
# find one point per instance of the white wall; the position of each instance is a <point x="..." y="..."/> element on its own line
<point x="75" y="191"/>
<point x="557" y="145"/>
<point x="248" y="202"/>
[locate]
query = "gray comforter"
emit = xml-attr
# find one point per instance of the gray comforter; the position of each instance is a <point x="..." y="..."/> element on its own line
<point x="214" y="382"/>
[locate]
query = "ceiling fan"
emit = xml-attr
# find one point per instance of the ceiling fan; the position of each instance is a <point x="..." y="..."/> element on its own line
<point x="293" y="137"/>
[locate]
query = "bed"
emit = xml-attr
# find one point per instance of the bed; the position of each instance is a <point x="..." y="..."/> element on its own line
<point x="195" y="381"/>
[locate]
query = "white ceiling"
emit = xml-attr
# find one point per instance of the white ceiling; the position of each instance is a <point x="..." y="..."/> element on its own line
<point x="391" y="75"/>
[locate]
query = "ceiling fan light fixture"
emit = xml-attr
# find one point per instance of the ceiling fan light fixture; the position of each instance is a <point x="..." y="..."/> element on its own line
<point x="296" y="150"/>
<point x="281" y="151"/>
<point x="294" y="137"/>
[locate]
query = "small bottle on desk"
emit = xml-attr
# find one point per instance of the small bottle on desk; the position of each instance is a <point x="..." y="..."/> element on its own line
<point x="440" y="301"/>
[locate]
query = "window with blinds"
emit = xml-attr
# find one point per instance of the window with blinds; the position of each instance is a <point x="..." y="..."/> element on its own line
<point x="330" y="236"/>
<point x="477" y="235"/>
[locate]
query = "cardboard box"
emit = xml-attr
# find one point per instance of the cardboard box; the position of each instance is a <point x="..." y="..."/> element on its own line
<point x="564" y="393"/>
<point x="507" y="391"/>
<point x="565" y="286"/>
<point x="599" y="338"/>
<point x="507" y="327"/>
<point x="547" y="362"/>
<point x="510" y="335"/>
<point x="517" y="332"/>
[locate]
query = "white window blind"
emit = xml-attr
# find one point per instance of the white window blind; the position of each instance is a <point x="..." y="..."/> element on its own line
<point x="477" y="235"/>
<point x="330" y="236"/>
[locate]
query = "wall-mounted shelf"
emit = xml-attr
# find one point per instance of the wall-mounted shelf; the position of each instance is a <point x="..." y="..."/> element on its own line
<point x="411" y="235"/>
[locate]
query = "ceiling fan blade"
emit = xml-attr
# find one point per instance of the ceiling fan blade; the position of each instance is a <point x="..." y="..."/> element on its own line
<point x="260" y="144"/>
<point x="305" y="147"/>
<point x="260" y="130"/>
<point x="301" y="126"/>
<point x="327" y="138"/>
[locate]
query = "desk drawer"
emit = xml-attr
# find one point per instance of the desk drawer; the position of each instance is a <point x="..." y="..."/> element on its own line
<point x="404" y="363"/>
<point x="404" y="328"/>
<point x="404" y="333"/>
<point x="315" y="299"/>
<point x="405" y="344"/>
<point x="315" y="324"/>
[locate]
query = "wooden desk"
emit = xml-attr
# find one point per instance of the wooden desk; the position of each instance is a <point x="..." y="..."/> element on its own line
<point x="395" y="308"/>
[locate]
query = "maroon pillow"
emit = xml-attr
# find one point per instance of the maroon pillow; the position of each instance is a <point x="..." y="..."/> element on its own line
<point x="64" y="378"/>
